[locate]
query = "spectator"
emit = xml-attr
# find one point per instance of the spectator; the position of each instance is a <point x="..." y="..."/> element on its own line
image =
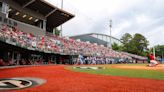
<point x="2" y="63"/>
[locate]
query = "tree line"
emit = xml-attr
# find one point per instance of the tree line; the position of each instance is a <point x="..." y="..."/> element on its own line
<point x="137" y="44"/>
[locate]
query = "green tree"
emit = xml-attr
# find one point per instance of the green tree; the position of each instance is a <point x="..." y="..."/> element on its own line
<point x="135" y="45"/>
<point x="159" y="50"/>
<point x="140" y="43"/>
<point x="117" y="47"/>
<point x="126" y="38"/>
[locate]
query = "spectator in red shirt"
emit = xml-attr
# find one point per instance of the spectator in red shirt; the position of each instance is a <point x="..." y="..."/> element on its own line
<point x="2" y="63"/>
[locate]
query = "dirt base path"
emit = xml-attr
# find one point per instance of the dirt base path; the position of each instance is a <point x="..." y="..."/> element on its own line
<point x="61" y="80"/>
<point x="158" y="67"/>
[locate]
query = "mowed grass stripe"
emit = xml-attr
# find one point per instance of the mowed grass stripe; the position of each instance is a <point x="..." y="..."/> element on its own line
<point x="133" y="73"/>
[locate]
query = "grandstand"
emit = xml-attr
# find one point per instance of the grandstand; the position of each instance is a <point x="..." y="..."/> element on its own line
<point x="24" y="25"/>
<point x="31" y="18"/>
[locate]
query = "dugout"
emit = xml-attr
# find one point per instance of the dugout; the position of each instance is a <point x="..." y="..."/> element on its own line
<point x="11" y="51"/>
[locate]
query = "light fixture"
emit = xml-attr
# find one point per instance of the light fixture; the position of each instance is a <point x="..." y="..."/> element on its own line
<point x="24" y="15"/>
<point x="36" y="20"/>
<point x="9" y="10"/>
<point x="17" y="13"/>
<point x="30" y="18"/>
<point x="65" y="14"/>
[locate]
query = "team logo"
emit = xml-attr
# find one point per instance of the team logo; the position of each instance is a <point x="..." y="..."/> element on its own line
<point x="89" y="67"/>
<point x="19" y="83"/>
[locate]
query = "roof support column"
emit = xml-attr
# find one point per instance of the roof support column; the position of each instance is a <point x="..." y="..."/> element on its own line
<point x="5" y="9"/>
<point x="44" y="24"/>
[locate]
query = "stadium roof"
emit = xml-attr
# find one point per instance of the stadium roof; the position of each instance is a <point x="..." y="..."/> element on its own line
<point x="94" y="34"/>
<point x="54" y="15"/>
<point x="91" y="38"/>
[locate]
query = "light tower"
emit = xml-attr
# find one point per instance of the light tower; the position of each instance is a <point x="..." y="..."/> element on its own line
<point x="110" y="25"/>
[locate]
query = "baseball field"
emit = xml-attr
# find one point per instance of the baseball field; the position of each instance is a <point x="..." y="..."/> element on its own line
<point x="90" y="78"/>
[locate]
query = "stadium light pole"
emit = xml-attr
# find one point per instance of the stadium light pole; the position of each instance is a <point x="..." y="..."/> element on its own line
<point x="110" y="25"/>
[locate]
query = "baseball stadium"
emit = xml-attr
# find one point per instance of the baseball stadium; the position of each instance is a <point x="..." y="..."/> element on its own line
<point x="34" y="59"/>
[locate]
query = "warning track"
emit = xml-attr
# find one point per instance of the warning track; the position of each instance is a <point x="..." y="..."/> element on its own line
<point x="62" y="80"/>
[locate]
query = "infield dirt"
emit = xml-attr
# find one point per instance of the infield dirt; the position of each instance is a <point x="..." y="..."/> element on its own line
<point x="62" y="80"/>
<point x="158" y="67"/>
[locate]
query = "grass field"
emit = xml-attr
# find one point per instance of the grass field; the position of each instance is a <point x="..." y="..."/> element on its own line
<point x="135" y="73"/>
<point x="64" y="78"/>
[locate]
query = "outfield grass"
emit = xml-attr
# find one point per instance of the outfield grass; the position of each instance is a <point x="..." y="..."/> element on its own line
<point x="135" y="73"/>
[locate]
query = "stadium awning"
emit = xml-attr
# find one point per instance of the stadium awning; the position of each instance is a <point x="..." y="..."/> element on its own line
<point x="54" y="15"/>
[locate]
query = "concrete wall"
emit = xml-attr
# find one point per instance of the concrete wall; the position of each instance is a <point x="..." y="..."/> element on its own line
<point x="29" y="28"/>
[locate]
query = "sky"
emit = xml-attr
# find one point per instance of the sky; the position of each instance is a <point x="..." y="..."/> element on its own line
<point x="128" y="16"/>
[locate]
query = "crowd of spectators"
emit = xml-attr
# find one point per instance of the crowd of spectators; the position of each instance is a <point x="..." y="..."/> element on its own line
<point x="135" y="56"/>
<point x="57" y="45"/>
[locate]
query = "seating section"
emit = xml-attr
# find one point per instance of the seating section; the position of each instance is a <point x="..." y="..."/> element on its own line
<point x="57" y="45"/>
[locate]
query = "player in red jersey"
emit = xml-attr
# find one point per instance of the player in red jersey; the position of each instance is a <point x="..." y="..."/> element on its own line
<point x="153" y="62"/>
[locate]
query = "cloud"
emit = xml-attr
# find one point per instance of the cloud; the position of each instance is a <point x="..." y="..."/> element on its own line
<point x="132" y="16"/>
